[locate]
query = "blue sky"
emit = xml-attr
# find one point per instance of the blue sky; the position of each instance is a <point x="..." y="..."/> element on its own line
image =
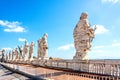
<point x="29" y="19"/>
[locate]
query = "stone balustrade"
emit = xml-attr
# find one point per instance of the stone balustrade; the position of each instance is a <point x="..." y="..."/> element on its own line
<point x="92" y="69"/>
<point x="108" y="67"/>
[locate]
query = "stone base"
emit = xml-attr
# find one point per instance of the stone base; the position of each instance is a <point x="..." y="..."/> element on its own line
<point x="31" y="59"/>
<point x="80" y="58"/>
<point x="43" y="58"/>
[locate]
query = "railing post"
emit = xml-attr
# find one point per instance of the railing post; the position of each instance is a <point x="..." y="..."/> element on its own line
<point x="66" y="64"/>
<point x="58" y="63"/>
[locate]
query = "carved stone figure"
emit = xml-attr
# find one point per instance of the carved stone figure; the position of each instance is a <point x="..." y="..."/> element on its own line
<point x="39" y="48"/>
<point x="31" y="50"/>
<point x="9" y="55"/>
<point x="43" y="47"/>
<point x="13" y="55"/>
<point x="21" y="52"/>
<point x="3" y="55"/>
<point x="83" y="36"/>
<point x="6" y="57"/>
<point x="25" y="50"/>
<point x="17" y="54"/>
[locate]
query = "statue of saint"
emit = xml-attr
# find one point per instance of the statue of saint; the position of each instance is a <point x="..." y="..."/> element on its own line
<point x="17" y="54"/>
<point x="31" y="50"/>
<point x="43" y="47"/>
<point x="3" y="55"/>
<point x="9" y="55"/>
<point x="25" y="50"/>
<point x="39" y="48"/>
<point x="13" y="54"/>
<point x="83" y="36"/>
<point x="21" y="52"/>
<point x="6" y="57"/>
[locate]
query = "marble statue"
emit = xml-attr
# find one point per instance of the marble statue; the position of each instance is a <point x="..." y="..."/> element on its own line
<point x="17" y="54"/>
<point x="9" y="55"/>
<point x="3" y="55"/>
<point x="21" y="52"/>
<point x="25" y="50"/>
<point x="31" y="50"/>
<point x="6" y="57"/>
<point x="43" y="47"/>
<point x="39" y="48"/>
<point x="13" y="55"/>
<point x="83" y="36"/>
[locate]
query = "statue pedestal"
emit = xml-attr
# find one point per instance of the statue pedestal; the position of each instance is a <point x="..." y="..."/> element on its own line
<point x="80" y="57"/>
<point x="43" y="58"/>
<point x="77" y="58"/>
<point x="31" y="59"/>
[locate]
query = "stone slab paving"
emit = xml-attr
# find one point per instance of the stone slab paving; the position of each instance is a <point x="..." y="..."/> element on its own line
<point x="8" y="75"/>
<point x="47" y="73"/>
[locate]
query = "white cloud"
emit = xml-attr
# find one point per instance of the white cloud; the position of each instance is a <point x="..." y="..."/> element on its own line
<point x="100" y="29"/>
<point x="22" y="39"/>
<point x="98" y="47"/>
<point x="115" y="40"/>
<point x="116" y="44"/>
<point x="97" y="51"/>
<point x="111" y="1"/>
<point x="66" y="47"/>
<point x="7" y="48"/>
<point x="12" y="26"/>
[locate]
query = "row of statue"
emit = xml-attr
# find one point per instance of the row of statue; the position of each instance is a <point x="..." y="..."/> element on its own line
<point x="83" y="37"/>
<point x="26" y="52"/>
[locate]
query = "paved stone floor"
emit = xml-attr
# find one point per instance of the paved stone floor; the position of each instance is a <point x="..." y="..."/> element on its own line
<point x="8" y="75"/>
<point x="47" y="73"/>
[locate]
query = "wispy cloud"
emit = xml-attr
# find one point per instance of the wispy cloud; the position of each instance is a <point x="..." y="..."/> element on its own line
<point x="7" y="48"/>
<point x="116" y="45"/>
<point x="101" y="29"/>
<point x="97" y="51"/>
<point x="115" y="41"/>
<point x="14" y="26"/>
<point x="66" y="47"/>
<point x="22" y="39"/>
<point x="111" y="1"/>
<point x="98" y="47"/>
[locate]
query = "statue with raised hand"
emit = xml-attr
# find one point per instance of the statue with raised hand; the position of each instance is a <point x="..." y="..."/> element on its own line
<point x="83" y="36"/>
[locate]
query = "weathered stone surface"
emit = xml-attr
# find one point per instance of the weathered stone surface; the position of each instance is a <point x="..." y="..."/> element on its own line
<point x="10" y="55"/>
<point x="13" y="53"/>
<point x="6" y="56"/>
<point x="20" y="52"/>
<point x="43" y="47"/>
<point x="25" y="50"/>
<point x="31" y="50"/>
<point x="83" y="36"/>
<point x="17" y="54"/>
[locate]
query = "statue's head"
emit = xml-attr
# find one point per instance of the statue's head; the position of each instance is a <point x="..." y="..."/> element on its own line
<point x="32" y="43"/>
<point x="3" y="50"/>
<point x="84" y="15"/>
<point x="16" y="48"/>
<point x="26" y="43"/>
<point x="13" y="51"/>
<point x="45" y="35"/>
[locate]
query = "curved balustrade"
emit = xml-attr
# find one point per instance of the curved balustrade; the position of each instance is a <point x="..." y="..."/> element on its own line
<point x="109" y="69"/>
